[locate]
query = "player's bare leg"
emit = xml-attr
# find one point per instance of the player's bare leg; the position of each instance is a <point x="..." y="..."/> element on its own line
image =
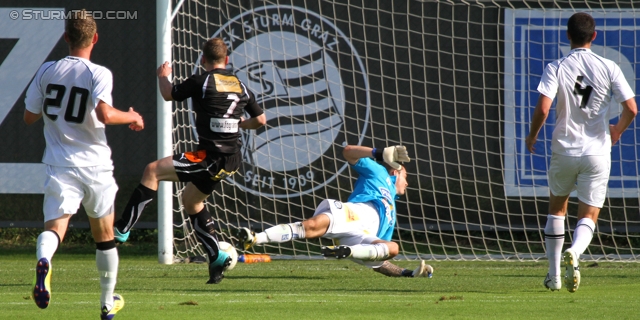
<point x="585" y="228"/>
<point x="316" y="226"/>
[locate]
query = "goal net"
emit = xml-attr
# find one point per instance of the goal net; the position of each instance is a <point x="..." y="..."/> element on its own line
<point x="455" y="82"/>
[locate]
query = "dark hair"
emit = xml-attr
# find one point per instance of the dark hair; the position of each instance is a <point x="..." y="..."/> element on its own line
<point x="80" y="28"/>
<point x="580" y="28"/>
<point x="214" y="50"/>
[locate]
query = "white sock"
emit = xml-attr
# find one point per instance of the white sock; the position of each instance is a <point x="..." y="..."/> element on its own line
<point x="582" y="235"/>
<point x="553" y="241"/>
<point x="281" y="233"/>
<point x="107" y="263"/>
<point x="370" y="252"/>
<point x="47" y="245"/>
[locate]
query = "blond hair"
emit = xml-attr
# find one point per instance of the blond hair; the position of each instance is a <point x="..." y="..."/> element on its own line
<point x="80" y="28"/>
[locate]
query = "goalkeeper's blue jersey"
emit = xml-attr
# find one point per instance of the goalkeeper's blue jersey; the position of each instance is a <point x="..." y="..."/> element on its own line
<point x="375" y="185"/>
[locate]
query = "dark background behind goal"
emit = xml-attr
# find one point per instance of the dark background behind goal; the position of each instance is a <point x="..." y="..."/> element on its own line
<point x="438" y="69"/>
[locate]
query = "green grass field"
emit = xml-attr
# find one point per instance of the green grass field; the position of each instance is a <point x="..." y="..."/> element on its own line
<point x="318" y="289"/>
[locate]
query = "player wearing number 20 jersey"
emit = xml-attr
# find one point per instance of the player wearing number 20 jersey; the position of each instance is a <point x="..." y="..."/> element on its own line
<point x="219" y="100"/>
<point x="73" y="96"/>
<point x="584" y="83"/>
<point x="66" y="92"/>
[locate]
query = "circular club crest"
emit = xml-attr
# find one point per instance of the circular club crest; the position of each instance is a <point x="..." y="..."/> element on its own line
<point x="313" y="88"/>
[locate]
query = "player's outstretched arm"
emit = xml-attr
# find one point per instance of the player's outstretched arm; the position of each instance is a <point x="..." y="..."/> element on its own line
<point x="629" y="112"/>
<point x="390" y="155"/>
<point x="112" y="116"/>
<point x="353" y="153"/>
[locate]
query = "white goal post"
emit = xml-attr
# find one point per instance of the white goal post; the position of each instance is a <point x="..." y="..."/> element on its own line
<point x="165" y="138"/>
<point x="455" y="82"/>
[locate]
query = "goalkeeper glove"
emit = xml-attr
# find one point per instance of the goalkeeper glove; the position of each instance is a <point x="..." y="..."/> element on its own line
<point x="393" y="155"/>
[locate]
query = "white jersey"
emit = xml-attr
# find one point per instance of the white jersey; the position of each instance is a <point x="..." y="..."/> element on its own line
<point x="584" y="83"/>
<point x="67" y="92"/>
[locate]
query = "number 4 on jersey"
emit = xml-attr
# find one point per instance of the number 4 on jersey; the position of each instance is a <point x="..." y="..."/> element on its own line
<point x="584" y="92"/>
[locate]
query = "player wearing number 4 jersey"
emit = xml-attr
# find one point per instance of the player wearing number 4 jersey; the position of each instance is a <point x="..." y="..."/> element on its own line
<point x="74" y="95"/>
<point x="584" y="84"/>
<point x="220" y="100"/>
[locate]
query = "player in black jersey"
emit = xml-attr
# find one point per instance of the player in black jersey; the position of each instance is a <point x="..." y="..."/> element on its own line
<point x="219" y="100"/>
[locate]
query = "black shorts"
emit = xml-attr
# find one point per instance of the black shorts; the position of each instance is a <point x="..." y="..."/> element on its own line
<point x="205" y="169"/>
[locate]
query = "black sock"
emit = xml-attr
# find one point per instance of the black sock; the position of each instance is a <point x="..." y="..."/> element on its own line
<point x="407" y="273"/>
<point x="203" y="225"/>
<point x="132" y="212"/>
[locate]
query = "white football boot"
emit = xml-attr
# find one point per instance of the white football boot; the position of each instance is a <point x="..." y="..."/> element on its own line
<point x="572" y="270"/>
<point x="552" y="283"/>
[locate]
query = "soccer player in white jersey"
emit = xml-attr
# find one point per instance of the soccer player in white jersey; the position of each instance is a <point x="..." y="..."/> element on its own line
<point x="584" y="84"/>
<point x="363" y="225"/>
<point x="73" y="97"/>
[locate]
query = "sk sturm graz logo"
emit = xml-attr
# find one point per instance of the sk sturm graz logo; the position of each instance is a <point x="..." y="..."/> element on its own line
<point x="313" y="87"/>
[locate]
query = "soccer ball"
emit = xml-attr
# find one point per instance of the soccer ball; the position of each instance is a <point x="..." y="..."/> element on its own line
<point x="231" y="251"/>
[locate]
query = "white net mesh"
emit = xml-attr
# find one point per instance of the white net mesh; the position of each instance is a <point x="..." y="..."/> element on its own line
<point x="454" y="82"/>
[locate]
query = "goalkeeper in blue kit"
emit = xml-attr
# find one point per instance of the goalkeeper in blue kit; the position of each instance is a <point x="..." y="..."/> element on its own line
<point x="362" y="226"/>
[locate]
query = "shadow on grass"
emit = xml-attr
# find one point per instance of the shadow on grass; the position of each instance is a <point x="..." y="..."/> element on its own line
<point x="138" y="249"/>
<point x="271" y="290"/>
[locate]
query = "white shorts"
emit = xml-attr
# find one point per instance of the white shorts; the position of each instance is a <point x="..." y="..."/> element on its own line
<point x="66" y="187"/>
<point x="588" y="175"/>
<point x="351" y="224"/>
